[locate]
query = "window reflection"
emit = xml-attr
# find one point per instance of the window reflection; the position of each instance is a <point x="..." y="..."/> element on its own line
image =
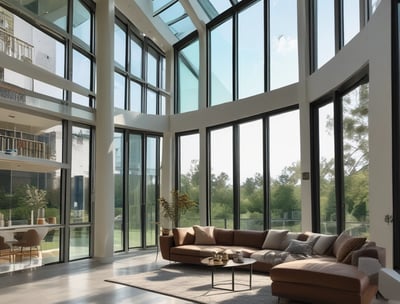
<point x="188" y="71"/>
<point x="82" y="22"/>
<point x="189" y="153"/>
<point x="283" y="43"/>
<point x="251" y="50"/>
<point x="221" y="156"/>
<point x="221" y="63"/>
<point x="119" y="45"/>
<point x="285" y="200"/>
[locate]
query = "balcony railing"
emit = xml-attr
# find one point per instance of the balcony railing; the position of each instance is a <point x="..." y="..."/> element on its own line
<point x="15" y="47"/>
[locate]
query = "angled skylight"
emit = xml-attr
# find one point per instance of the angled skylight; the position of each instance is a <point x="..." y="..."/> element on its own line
<point x="174" y="16"/>
<point x="215" y="7"/>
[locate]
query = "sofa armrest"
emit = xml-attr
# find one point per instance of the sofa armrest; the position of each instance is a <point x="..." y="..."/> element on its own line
<point x="376" y="252"/>
<point x="166" y="242"/>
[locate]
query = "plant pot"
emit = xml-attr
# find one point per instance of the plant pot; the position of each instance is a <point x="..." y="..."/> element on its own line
<point x="165" y="231"/>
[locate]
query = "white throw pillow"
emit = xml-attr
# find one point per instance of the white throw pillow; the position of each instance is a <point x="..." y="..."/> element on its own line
<point x="274" y="239"/>
<point x="204" y="235"/>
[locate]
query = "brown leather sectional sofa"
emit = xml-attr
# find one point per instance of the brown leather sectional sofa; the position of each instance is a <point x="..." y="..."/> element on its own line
<point x="303" y="266"/>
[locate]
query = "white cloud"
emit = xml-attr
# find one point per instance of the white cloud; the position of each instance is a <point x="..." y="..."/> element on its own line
<point x="283" y="44"/>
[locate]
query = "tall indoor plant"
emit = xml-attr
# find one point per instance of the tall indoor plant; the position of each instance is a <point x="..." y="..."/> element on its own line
<point x="173" y="210"/>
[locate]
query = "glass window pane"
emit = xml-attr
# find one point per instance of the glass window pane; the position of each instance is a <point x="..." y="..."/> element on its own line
<point x="325" y="31"/>
<point x="119" y="191"/>
<point x="80" y="173"/>
<point x="151" y="68"/>
<point x="151" y="191"/>
<point x="285" y="182"/>
<point x="351" y="19"/>
<point x="221" y="64"/>
<point x="251" y="175"/>
<point x="151" y="106"/>
<point x="283" y="45"/>
<point x="327" y="170"/>
<point x="136" y="58"/>
<point x="119" y="91"/>
<point x="79" y="243"/>
<point x="119" y="45"/>
<point x="221" y="179"/>
<point x="81" y="26"/>
<point x="356" y="160"/>
<point x="163" y="73"/>
<point x="189" y="157"/>
<point x="251" y="51"/>
<point x="136" y="97"/>
<point x="135" y="190"/>
<point x="163" y="105"/>
<point x="29" y="44"/>
<point x="55" y="12"/>
<point x="188" y="78"/>
<point x="81" y="69"/>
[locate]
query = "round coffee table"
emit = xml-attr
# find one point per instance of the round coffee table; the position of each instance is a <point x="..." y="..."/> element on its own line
<point x="229" y="264"/>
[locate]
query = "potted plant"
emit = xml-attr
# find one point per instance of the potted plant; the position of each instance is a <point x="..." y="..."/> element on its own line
<point x="36" y="199"/>
<point x="173" y="210"/>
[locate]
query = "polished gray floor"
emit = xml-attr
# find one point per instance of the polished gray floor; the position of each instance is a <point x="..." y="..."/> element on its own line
<point x="82" y="282"/>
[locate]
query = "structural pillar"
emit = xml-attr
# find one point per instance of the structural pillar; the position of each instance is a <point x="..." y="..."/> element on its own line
<point x="104" y="177"/>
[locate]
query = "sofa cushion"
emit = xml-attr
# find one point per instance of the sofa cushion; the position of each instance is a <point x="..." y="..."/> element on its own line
<point x="183" y="236"/>
<point x="249" y="238"/>
<point x="274" y="239"/>
<point x="319" y="273"/>
<point x="301" y="247"/>
<point x="344" y="252"/>
<point x="324" y="243"/>
<point x="204" y="235"/>
<point x="223" y="236"/>
<point x="289" y="236"/>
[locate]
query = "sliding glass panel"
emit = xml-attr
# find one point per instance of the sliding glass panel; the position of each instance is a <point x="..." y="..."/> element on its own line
<point x="221" y="179"/>
<point x="251" y="175"/>
<point x="325" y="31"/>
<point x="151" y="190"/>
<point x="189" y="152"/>
<point x="356" y="160"/>
<point x="119" y="191"/>
<point x="327" y="187"/>
<point x="80" y="165"/>
<point x="188" y="81"/>
<point x="135" y="190"/>
<point x="79" y="241"/>
<point x="285" y="183"/>
<point x="251" y="50"/>
<point x="221" y="64"/>
<point x="283" y="44"/>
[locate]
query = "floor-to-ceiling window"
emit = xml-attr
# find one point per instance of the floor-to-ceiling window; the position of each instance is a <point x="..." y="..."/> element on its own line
<point x="340" y="162"/>
<point x="137" y="173"/>
<point x="241" y="154"/>
<point x="188" y="168"/>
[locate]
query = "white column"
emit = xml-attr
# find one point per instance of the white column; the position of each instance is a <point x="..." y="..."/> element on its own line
<point x="104" y="168"/>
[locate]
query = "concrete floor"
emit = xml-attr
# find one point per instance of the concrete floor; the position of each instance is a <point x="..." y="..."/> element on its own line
<point x="82" y="282"/>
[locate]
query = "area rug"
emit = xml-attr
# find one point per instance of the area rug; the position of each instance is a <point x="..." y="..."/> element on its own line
<point x="193" y="283"/>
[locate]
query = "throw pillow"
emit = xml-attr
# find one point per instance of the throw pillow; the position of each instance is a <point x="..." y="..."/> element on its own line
<point x="274" y="239"/>
<point x="301" y="247"/>
<point x="323" y="244"/>
<point x="341" y="239"/>
<point x="344" y="252"/>
<point x="183" y="236"/>
<point x="204" y="235"/>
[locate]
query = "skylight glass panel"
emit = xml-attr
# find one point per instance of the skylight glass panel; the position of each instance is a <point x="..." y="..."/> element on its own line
<point x="215" y="7"/>
<point x="175" y="17"/>
<point x="158" y="4"/>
